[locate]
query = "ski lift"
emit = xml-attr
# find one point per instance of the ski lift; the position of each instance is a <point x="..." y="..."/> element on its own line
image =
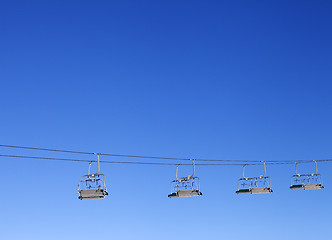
<point x="306" y="181"/>
<point x="92" y="185"/>
<point x="261" y="184"/>
<point x="185" y="186"/>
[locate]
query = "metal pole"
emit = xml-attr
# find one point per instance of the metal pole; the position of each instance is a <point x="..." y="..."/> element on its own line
<point x="193" y="168"/>
<point x="176" y="173"/>
<point x="243" y="172"/>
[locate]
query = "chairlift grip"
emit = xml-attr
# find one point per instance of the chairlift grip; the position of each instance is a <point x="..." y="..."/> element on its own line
<point x="264" y="169"/>
<point x="193" y="168"/>
<point x="244" y="165"/>
<point x="176" y="173"/>
<point x="315" y="167"/>
<point x="296" y="169"/>
<point x="89" y="167"/>
<point x="96" y="173"/>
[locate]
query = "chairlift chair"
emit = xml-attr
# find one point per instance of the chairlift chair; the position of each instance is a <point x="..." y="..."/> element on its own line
<point x="253" y="185"/>
<point x="306" y="181"/>
<point x="186" y="186"/>
<point x="92" y="185"/>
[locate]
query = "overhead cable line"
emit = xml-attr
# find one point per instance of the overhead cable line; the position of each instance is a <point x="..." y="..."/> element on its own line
<point x="145" y="163"/>
<point x="79" y="160"/>
<point x="91" y="153"/>
<point x="121" y="162"/>
<point x="241" y="162"/>
<point x="44" y="149"/>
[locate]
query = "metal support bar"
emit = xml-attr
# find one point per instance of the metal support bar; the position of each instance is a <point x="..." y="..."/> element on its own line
<point x="193" y="168"/>
<point x="315" y="167"/>
<point x="176" y="174"/>
<point x="261" y="176"/>
<point x="98" y="163"/>
<point x="89" y="167"/>
<point x="296" y="170"/>
<point x="243" y="172"/>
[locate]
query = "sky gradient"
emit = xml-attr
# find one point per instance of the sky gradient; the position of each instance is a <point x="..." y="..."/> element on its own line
<point x="194" y="79"/>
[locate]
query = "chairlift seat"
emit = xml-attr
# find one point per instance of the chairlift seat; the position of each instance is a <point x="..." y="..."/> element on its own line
<point x="307" y="186"/>
<point x="243" y="191"/>
<point x="261" y="190"/>
<point x="254" y="190"/>
<point x="297" y="186"/>
<point x="313" y="186"/>
<point x="87" y="194"/>
<point x="308" y="181"/>
<point x="185" y="193"/>
<point x="253" y="185"/>
<point x="92" y="185"/>
<point x="186" y="186"/>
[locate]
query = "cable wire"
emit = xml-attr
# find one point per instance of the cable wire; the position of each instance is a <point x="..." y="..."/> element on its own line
<point x="240" y="162"/>
<point x="145" y="163"/>
<point x="122" y="162"/>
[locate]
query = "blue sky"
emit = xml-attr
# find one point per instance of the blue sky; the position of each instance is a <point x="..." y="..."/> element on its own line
<point x="195" y="79"/>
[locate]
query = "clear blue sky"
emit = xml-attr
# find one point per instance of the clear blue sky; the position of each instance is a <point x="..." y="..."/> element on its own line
<point x="213" y="79"/>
